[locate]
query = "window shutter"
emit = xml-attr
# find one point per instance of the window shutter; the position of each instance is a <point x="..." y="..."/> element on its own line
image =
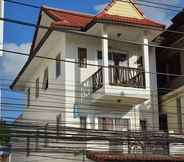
<point x="37" y="88"/>
<point x="28" y="96"/>
<point x="58" y="65"/>
<point x="45" y="79"/>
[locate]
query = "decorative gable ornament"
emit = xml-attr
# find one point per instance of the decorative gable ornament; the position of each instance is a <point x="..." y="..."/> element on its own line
<point x="125" y="8"/>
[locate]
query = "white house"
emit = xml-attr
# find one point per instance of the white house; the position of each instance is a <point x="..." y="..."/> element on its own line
<point x="107" y="83"/>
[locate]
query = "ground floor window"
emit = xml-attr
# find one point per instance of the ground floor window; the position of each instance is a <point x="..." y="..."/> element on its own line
<point x="143" y="125"/>
<point x="117" y="124"/>
<point x="83" y="122"/>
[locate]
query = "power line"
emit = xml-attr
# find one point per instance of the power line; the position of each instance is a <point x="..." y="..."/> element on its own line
<point x="145" y="3"/>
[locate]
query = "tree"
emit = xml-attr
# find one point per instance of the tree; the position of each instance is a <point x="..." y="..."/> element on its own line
<point x="4" y="134"/>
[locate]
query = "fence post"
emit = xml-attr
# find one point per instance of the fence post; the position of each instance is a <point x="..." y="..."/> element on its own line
<point x="37" y="140"/>
<point x="46" y="135"/>
<point x="28" y="146"/>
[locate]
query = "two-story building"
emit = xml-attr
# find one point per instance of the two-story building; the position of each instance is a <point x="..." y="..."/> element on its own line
<point x="93" y="72"/>
<point x="170" y="69"/>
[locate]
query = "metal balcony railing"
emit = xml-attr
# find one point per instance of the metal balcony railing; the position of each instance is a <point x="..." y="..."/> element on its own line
<point x="93" y="83"/>
<point x="126" y="77"/>
<point x="118" y="76"/>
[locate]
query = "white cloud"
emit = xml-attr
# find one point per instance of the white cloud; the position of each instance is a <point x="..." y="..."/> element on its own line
<point x="162" y="15"/>
<point x="10" y="63"/>
<point x="100" y="7"/>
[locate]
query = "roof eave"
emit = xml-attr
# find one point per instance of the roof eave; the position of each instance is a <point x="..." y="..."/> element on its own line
<point x="160" y="28"/>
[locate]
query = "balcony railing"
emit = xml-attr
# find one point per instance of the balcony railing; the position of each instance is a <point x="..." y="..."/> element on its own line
<point x="93" y="83"/>
<point x="118" y="76"/>
<point x="126" y="77"/>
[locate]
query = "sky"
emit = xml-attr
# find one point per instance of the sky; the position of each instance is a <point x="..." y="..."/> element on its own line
<point x="19" y="38"/>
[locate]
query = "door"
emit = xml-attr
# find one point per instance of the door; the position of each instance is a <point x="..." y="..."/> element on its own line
<point x="119" y="60"/>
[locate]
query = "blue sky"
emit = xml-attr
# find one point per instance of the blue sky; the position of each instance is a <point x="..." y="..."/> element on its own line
<point x="19" y="38"/>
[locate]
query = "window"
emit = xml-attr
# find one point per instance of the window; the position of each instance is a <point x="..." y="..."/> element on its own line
<point x="82" y="56"/>
<point x="121" y="124"/>
<point x="143" y="125"/>
<point x="99" y="55"/>
<point x="101" y="124"/>
<point x="28" y="96"/>
<point x="140" y="62"/>
<point x="163" y="122"/>
<point x="45" y="79"/>
<point x="58" y="65"/>
<point x="179" y="114"/>
<point x="83" y="122"/>
<point x="105" y="123"/>
<point x="37" y="88"/>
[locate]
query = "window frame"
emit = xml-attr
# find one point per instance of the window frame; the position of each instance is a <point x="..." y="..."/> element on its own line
<point x="83" y="120"/>
<point x="82" y="59"/>
<point x="58" y="65"/>
<point x="45" y="83"/>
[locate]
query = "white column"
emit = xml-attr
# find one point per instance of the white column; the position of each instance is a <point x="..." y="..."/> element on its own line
<point x="89" y="122"/>
<point x="146" y="62"/>
<point x="96" y="122"/>
<point x="153" y="86"/>
<point x="151" y="81"/>
<point x="105" y="58"/>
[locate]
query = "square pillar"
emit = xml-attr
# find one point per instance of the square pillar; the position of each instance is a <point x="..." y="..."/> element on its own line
<point x="96" y="122"/>
<point x="151" y="82"/>
<point x="105" y="62"/>
<point x="146" y="62"/>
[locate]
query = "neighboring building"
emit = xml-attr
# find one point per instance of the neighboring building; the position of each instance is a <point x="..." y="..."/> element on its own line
<point x="118" y="94"/>
<point x="171" y="86"/>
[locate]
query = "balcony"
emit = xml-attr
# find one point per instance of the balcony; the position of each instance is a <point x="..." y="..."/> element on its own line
<point x="124" y="84"/>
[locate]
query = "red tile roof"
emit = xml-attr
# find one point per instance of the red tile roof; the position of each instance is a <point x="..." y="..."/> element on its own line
<point x="108" y="156"/>
<point x="81" y="21"/>
<point x="69" y="19"/>
<point x="122" y="19"/>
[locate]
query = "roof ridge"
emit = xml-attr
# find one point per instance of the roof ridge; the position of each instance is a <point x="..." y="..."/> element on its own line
<point x="69" y="11"/>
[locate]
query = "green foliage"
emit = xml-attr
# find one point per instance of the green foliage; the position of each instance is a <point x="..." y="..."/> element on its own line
<point x="4" y="134"/>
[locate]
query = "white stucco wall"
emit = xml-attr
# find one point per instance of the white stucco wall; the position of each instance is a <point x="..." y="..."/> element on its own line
<point x="50" y="101"/>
